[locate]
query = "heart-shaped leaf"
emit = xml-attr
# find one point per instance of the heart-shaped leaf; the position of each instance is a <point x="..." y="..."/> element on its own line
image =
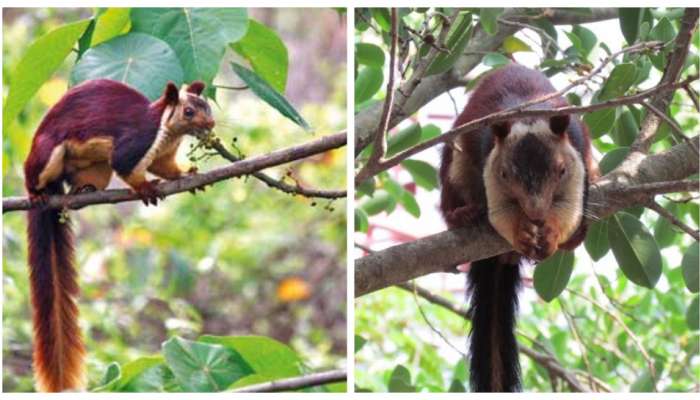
<point x="266" y="53"/>
<point x="635" y="249"/>
<point x="552" y="275"/>
<point x="199" y="36"/>
<point x="264" y="355"/>
<point x="269" y="95"/>
<point x="39" y="62"/>
<point x="141" y="61"/>
<point x="203" y="367"/>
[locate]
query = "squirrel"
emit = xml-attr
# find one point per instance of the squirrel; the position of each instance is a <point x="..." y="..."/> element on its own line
<point x="530" y="176"/>
<point x="97" y="127"/>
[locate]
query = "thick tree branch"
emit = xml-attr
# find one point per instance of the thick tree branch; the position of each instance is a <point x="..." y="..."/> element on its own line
<point x="237" y="169"/>
<point x="296" y="383"/>
<point x="431" y="87"/>
<point x="608" y="195"/>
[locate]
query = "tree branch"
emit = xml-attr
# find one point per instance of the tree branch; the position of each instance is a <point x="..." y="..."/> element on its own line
<point x="431" y="87"/>
<point x="608" y="195"/>
<point x="296" y="383"/>
<point x="694" y="233"/>
<point x="237" y="169"/>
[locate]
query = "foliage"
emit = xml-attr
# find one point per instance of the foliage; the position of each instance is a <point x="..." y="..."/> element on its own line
<point x="613" y="319"/>
<point x="169" y="292"/>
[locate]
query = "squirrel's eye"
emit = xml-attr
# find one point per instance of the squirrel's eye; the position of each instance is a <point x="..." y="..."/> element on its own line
<point x="562" y="170"/>
<point x="504" y="174"/>
<point x="189" y="112"/>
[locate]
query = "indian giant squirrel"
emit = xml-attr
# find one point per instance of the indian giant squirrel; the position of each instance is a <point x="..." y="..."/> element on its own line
<point x="530" y="177"/>
<point x="97" y="127"/>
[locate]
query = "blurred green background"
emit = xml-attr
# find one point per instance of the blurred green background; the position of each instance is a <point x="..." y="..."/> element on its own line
<point x="240" y="258"/>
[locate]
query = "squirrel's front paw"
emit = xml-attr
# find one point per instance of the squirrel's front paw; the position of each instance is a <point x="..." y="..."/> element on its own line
<point x="536" y="241"/>
<point x="148" y="193"/>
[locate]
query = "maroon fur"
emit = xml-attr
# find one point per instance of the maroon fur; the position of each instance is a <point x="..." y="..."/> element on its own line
<point x="97" y="108"/>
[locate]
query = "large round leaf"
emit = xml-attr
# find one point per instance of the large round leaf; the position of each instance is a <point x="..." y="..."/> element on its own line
<point x="264" y="355"/>
<point x="141" y="61"/>
<point x="635" y="249"/>
<point x="552" y="275"/>
<point x="201" y="367"/>
<point x="266" y="53"/>
<point x="199" y="36"/>
<point x="40" y="60"/>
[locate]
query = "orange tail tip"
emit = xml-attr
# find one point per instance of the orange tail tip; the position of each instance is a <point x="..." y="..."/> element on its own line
<point x="59" y="353"/>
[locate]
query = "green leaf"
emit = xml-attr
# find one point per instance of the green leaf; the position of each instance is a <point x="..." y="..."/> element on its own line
<point x="141" y="61"/>
<point x="266" y="53"/>
<point x="158" y="378"/>
<point x="495" y="60"/>
<point x="199" y="36"/>
<point x="512" y="44"/>
<point x="489" y="19"/>
<point x="635" y="249"/>
<point x="424" y="174"/>
<point x="403" y="197"/>
<point x="129" y="373"/>
<point x="264" y="355"/>
<point x="361" y="220"/>
<point x="596" y="242"/>
<point x="630" y="20"/>
<point x="381" y="201"/>
<point x="663" y="31"/>
<point x="664" y="233"/>
<point x="369" y="54"/>
<point x="587" y="39"/>
<point x="112" y="373"/>
<point x="552" y="275"/>
<point x="383" y="18"/>
<point x="109" y="24"/>
<point x="457" y="387"/>
<point x="269" y="95"/>
<point x="367" y="83"/>
<point x="400" y="380"/>
<point x="600" y="122"/>
<point x="39" y="62"/>
<point x="402" y="140"/>
<point x="620" y="79"/>
<point x="457" y="40"/>
<point x="201" y="367"/>
<point x="429" y="131"/>
<point x="692" y="315"/>
<point x="612" y="159"/>
<point x="626" y="129"/>
<point x="691" y="265"/>
<point x="359" y="343"/>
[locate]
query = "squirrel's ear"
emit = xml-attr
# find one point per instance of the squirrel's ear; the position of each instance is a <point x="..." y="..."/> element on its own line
<point x="501" y="129"/>
<point x="196" y="87"/>
<point x="171" y="94"/>
<point x="559" y="123"/>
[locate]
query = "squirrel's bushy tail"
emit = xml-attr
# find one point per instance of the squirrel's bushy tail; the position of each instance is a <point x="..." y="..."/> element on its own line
<point x="493" y="290"/>
<point x="58" y="348"/>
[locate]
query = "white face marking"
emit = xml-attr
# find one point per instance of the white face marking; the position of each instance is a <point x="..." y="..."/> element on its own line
<point x="569" y="213"/>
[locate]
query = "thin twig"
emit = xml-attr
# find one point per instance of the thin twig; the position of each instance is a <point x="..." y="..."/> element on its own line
<point x="296" y="383"/>
<point x="278" y="184"/>
<point x="694" y="233"/>
<point x="582" y="347"/>
<point x="675" y="129"/>
<point x="380" y="139"/>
